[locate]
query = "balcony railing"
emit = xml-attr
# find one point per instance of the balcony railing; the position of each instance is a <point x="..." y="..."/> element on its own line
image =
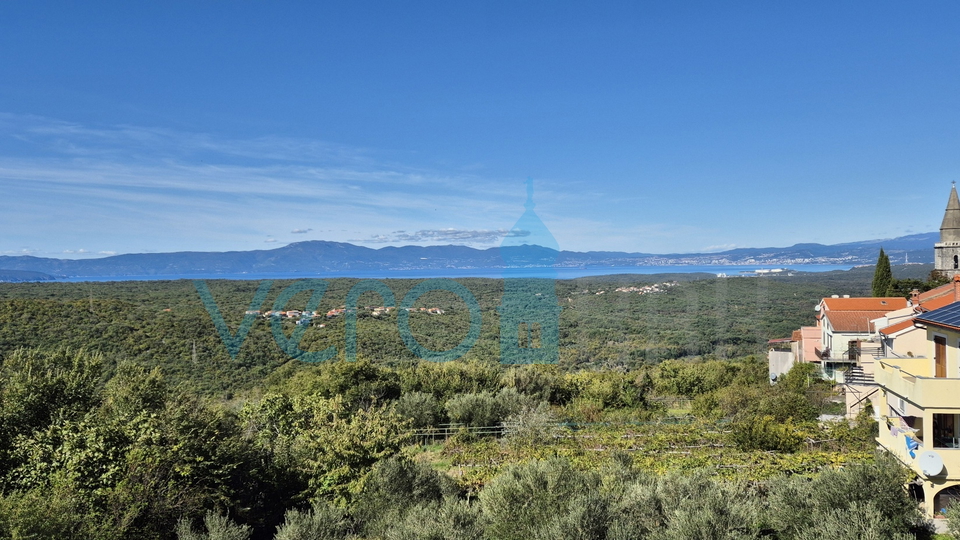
<point x="924" y="391"/>
<point x="855" y="375"/>
<point x="851" y="354"/>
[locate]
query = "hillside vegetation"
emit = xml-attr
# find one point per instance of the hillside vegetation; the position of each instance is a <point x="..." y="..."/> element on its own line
<point x="164" y="323"/>
<point x="122" y="415"/>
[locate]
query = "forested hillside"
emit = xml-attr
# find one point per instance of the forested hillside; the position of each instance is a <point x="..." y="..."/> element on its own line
<point x="165" y="324"/>
<point x="123" y="416"/>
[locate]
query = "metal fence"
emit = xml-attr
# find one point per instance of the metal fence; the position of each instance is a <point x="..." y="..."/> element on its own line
<point x="442" y="432"/>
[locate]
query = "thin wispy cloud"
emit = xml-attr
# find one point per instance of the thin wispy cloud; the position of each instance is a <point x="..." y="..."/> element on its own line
<point x="79" y="140"/>
<point x="141" y="189"/>
<point x="444" y="235"/>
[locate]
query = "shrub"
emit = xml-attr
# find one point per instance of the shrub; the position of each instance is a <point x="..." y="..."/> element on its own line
<point x="524" y="499"/>
<point x="475" y="410"/>
<point x="800" y="377"/>
<point x="452" y="519"/>
<point x="393" y="487"/>
<point x="858" y="521"/>
<point x="359" y="384"/>
<point x="586" y="517"/>
<point x="766" y="433"/>
<point x="608" y="389"/>
<point x="784" y="406"/>
<point x="444" y="380"/>
<point x="421" y="408"/>
<point x="707" y="406"/>
<point x="637" y="511"/>
<point x="46" y="513"/>
<point x="691" y="379"/>
<point x="533" y="425"/>
<point x="798" y="505"/>
<point x="217" y="528"/>
<point x="321" y="522"/>
<point x="486" y="409"/>
<point x="697" y="506"/>
<point x="537" y="381"/>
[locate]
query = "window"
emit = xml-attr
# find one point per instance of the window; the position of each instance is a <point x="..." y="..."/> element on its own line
<point x="945" y="430"/>
<point x="956" y="262"/>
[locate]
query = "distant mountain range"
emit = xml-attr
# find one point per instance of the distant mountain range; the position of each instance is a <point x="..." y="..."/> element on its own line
<point x="320" y="256"/>
<point x="24" y="275"/>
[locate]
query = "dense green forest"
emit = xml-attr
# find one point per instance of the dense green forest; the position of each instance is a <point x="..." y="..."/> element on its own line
<point x="122" y="415"/>
<point x="164" y="323"/>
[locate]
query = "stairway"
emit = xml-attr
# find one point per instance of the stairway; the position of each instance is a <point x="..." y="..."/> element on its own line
<point x="856" y="376"/>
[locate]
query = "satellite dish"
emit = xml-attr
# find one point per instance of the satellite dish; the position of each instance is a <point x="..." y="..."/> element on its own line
<point x="930" y="463"/>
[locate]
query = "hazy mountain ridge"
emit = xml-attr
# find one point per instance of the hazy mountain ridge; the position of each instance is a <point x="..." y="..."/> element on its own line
<point x="320" y="256"/>
<point x="24" y="275"/>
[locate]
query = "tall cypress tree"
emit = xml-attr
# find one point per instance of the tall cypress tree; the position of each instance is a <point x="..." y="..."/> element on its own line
<point x="882" y="276"/>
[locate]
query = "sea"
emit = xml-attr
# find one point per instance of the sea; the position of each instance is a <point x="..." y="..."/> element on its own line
<point x="532" y="272"/>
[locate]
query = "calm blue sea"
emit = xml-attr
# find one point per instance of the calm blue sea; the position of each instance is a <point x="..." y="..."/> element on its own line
<point x="556" y="273"/>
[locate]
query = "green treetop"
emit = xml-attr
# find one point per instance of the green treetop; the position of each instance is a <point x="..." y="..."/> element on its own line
<point x="883" y="276"/>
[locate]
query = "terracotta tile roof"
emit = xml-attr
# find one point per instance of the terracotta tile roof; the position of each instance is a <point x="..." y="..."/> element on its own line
<point x="942" y="296"/>
<point x="934" y="293"/>
<point x="865" y="304"/>
<point x="894" y="328"/>
<point x="938" y="302"/>
<point x="937" y="292"/>
<point x="853" y="321"/>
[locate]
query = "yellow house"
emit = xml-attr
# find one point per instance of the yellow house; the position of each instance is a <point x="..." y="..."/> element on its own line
<point x="919" y="402"/>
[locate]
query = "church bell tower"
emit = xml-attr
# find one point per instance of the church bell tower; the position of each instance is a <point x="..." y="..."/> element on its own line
<point x="947" y="250"/>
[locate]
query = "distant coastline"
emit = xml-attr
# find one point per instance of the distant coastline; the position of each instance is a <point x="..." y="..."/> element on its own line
<point x="317" y="258"/>
<point x="494" y="273"/>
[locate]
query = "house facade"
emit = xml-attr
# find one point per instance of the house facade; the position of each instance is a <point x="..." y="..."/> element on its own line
<point x="848" y="327"/>
<point x="903" y="357"/>
<point x="919" y="406"/>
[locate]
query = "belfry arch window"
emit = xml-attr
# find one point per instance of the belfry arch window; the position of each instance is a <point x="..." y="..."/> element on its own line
<point x="956" y="262"/>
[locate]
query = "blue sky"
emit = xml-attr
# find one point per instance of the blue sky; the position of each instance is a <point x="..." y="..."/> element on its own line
<point x="650" y="127"/>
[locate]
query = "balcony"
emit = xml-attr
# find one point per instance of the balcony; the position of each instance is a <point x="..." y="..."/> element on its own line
<point x="851" y="354"/>
<point x="827" y="355"/>
<point x="898" y="375"/>
<point x="894" y="441"/>
<point x="893" y="438"/>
